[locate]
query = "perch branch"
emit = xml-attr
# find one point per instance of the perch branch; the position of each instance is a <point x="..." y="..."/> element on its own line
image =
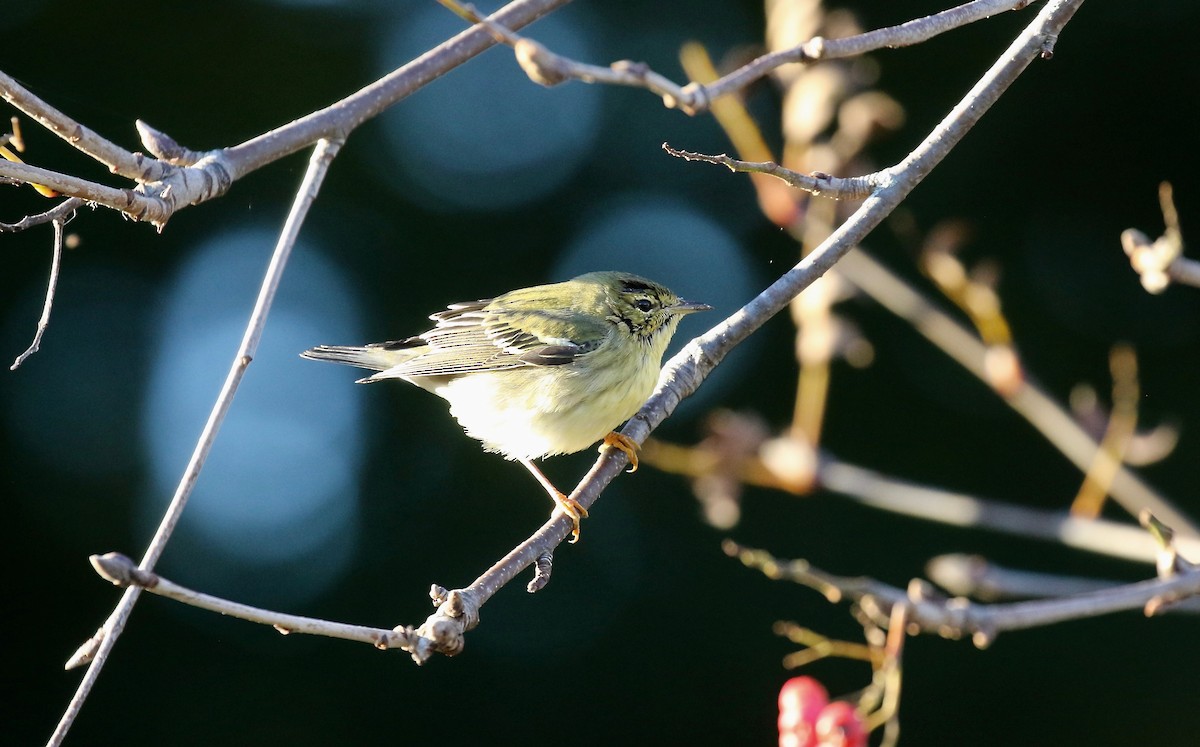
<point x="687" y="370"/>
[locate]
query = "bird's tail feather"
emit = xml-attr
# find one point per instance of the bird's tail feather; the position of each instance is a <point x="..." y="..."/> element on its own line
<point x="377" y="357"/>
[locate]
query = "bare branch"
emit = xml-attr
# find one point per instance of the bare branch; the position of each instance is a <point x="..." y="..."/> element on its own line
<point x="134" y="203"/>
<point x="975" y="576"/>
<point x="121" y="571"/>
<point x="164" y="187"/>
<point x="322" y="156"/>
<point x="957" y="617"/>
<point x="63" y="211"/>
<point x="548" y="68"/>
<point x="339" y="119"/>
<point x="44" y="321"/>
<point x="818" y="48"/>
<point x="818" y="183"/>
<point x="122" y="162"/>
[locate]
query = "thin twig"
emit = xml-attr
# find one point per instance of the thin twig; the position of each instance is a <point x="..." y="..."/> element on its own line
<point x="818" y="183"/>
<point x="130" y="202"/>
<point x="318" y="165"/>
<point x="121" y="571"/>
<point x="64" y="211"/>
<point x="44" y="321"/>
<point x="958" y="617"/>
<point x="976" y="576"/>
<point x="549" y="68"/>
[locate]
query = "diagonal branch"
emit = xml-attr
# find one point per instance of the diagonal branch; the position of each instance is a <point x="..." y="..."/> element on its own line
<point x="97" y="649"/>
<point x="1028" y="399"/>
<point x="120" y="161"/>
<point x="684" y="373"/>
<point x="164" y="187"/>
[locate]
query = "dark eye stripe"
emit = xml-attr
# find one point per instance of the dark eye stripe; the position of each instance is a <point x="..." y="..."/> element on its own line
<point x="629" y="285"/>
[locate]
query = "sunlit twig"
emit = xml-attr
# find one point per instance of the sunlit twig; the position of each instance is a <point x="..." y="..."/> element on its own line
<point x="96" y="650"/>
<point x="44" y="320"/>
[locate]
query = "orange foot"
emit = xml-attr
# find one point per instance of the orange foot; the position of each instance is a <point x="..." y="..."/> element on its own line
<point x="572" y="509"/>
<point x="568" y="506"/>
<point x="625" y="444"/>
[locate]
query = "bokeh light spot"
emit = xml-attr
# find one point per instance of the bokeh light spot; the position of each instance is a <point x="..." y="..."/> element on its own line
<point x="281" y="482"/>
<point x="487" y="138"/>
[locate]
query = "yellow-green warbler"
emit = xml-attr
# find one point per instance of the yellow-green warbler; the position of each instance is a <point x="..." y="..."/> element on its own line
<point x="539" y="371"/>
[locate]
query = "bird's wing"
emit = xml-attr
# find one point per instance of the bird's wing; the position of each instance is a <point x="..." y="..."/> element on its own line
<point x="491" y="335"/>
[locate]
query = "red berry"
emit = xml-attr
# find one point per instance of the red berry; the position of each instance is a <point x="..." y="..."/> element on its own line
<point x="800" y="702"/>
<point x="839" y="725"/>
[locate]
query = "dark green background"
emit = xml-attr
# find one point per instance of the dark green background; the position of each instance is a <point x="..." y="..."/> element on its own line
<point x="1070" y="157"/>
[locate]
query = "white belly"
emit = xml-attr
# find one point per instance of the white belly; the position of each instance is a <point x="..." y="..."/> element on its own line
<point x="536" y="411"/>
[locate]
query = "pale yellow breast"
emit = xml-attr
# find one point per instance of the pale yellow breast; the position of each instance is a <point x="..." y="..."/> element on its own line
<point x="540" y="411"/>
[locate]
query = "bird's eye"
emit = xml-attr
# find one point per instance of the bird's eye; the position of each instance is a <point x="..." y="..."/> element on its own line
<point x="643" y="305"/>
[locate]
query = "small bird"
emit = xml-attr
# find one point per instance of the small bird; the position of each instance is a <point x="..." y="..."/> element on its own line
<point x="539" y="371"/>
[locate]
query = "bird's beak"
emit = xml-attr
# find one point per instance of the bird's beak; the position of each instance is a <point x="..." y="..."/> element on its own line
<point x="688" y="307"/>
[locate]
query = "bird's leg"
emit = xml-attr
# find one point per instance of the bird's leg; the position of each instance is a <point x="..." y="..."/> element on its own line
<point x="568" y="506"/>
<point x="625" y="444"/>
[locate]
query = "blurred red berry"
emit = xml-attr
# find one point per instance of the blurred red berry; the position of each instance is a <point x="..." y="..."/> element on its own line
<point x="839" y="725"/>
<point x="801" y="700"/>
